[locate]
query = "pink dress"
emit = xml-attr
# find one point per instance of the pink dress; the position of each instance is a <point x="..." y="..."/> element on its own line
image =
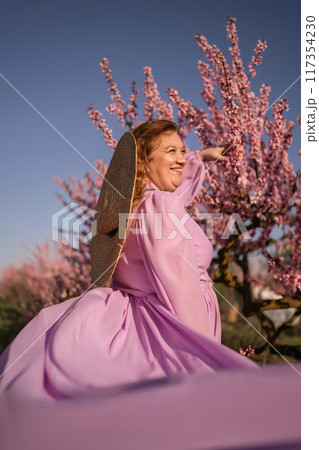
<point x="159" y="322"/>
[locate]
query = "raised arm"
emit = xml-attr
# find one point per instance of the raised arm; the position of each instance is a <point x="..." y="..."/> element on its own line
<point x="192" y="177"/>
<point x="194" y="171"/>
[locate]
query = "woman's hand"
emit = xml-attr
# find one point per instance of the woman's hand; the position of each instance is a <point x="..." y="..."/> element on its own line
<point x="214" y="153"/>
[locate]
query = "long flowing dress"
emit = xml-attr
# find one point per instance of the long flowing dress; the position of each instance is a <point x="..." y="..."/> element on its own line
<point x="152" y="339"/>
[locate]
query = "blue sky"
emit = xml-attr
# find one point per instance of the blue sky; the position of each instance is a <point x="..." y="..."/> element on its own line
<point x="50" y="53"/>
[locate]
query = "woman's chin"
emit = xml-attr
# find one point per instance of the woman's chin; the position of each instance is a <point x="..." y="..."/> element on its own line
<point x="176" y="184"/>
<point x="170" y="185"/>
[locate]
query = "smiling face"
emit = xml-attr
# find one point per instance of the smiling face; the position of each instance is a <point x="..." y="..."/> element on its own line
<point x="167" y="162"/>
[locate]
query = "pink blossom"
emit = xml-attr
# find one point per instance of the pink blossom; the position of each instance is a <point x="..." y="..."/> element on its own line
<point x="154" y="106"/>
<point x="250" y="349"/>
<point x="247" y="352"/>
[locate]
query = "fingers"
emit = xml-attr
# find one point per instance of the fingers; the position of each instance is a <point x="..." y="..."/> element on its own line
<point x="225" y="159"/>
<point x="229" y="144"/>
<point x="226" y="147"/>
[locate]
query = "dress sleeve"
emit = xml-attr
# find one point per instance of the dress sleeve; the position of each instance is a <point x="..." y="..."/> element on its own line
<point x="192" y="177"/>
<point x="169" y="258"/>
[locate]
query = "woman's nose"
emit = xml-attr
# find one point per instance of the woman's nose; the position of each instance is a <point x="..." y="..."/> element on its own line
<point x="181" y="159"/>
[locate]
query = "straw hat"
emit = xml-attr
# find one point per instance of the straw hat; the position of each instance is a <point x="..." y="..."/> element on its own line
<point x="116" y="196"/>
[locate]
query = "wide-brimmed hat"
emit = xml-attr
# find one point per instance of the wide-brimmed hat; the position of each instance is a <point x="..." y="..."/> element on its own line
<point x="116" y="197"/>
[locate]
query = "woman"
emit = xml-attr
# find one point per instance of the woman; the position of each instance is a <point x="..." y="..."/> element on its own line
<point x="160" y="317"/>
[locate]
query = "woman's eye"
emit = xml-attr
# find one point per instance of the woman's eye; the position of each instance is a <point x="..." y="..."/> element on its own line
<point x="173" y="150"/>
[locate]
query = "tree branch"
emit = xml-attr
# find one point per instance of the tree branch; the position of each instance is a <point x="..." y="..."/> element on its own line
<point x="280" y="303"/>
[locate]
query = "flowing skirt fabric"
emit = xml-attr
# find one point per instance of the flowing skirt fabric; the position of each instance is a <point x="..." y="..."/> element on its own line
<point x="109" y="370"/>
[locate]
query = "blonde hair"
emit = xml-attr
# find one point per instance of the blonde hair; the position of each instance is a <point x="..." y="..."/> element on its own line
<point x="147" y="136"/>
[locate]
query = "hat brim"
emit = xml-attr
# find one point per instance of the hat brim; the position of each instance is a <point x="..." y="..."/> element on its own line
<point x="119" y="183"/>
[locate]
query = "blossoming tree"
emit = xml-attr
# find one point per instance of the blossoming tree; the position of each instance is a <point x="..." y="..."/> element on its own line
<point x="260" y="184"/>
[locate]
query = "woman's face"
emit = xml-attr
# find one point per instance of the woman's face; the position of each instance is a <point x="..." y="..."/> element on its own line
<point x="168" y="160"/>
